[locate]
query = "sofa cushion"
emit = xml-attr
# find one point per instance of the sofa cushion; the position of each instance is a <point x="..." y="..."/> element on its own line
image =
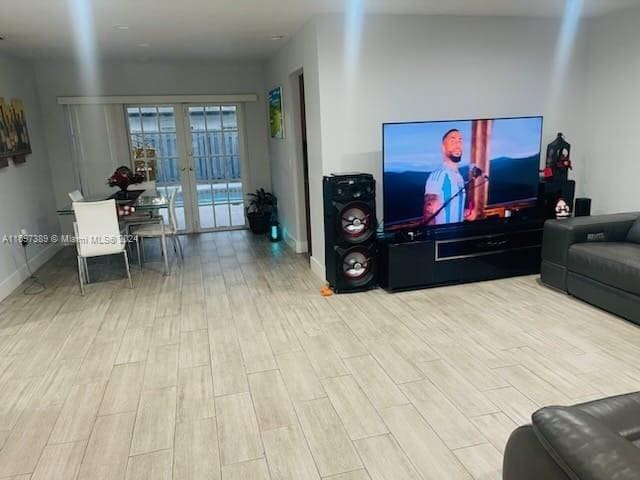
<point x="620" y="413"/>
<point x="615" y="264"/>
<point x="634" y="232"/>
<point x="584" y="447"/>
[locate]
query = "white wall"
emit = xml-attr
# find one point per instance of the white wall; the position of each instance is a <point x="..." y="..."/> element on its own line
<point x="298" y="55"/>
<point x="415" y="68"/>
<point x="56" y="79"/>
<point x="26" y="194"/>
<point x="614" y="112"/>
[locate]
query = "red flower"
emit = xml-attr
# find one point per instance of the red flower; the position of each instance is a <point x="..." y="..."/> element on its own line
<point x="123" y="177"/>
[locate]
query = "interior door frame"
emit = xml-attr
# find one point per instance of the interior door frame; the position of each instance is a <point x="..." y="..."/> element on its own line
<point x="189" y="170"/>
<point x="305" y="163"/>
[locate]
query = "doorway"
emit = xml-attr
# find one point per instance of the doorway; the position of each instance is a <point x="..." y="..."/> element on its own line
<point x="197" y="149"/>
<point x="305" y="164"/>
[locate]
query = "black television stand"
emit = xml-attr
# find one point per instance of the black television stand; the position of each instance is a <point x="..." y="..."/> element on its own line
<point x="460" y="254"/>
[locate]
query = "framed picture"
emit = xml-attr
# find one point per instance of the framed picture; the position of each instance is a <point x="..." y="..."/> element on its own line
<point x="276" y="114"/>
<point x="14" y="134"/>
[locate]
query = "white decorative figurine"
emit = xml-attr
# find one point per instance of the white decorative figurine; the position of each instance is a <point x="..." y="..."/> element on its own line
<point x="562" y="209"/>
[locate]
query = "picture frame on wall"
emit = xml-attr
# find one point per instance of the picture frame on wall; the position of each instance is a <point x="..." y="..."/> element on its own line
<point x="14" y="134"/>
<point x="276" y="113"/>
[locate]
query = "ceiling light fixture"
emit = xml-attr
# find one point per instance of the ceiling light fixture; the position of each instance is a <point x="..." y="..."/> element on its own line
<point x="121" y="26"/>
<point x="143" y="45"/>
<point x="277" y="37"/>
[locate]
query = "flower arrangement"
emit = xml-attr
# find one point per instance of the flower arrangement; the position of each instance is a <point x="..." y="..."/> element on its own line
<point x="123" y="177"/>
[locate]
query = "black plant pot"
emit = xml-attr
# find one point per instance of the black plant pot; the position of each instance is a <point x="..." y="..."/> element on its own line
<point x="259" y="222"/>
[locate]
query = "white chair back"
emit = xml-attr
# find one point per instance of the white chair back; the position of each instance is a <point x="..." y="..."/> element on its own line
<point x="98" y="232"/>
<point x="149" y="188"/>
<point x="76" y="196"/>
<point x="173" y="222"/>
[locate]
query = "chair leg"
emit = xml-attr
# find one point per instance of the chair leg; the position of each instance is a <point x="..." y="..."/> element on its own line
<point x="85" y="263"/>
<point x="175" y="246"/>
<point x="180" y="247"/>
<point x="81" y="275"/>
<point x="163" y="241"/>
<point x="126" y="263"/>
<point x="138" y="249"/>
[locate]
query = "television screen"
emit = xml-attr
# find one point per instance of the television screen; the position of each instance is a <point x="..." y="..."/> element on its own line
<point x="439" y="173"/>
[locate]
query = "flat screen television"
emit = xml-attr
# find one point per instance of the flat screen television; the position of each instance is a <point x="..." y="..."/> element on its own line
<point x="455" y="172"/>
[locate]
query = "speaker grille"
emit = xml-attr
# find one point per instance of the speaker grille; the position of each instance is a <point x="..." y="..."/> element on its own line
<point x="357" y="266"/>
<point x="356" y="222"/>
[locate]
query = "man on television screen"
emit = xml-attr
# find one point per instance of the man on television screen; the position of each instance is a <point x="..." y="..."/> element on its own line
<point x="444" y="192"/>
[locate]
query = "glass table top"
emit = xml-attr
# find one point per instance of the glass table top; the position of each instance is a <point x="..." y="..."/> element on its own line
<point x="142" y="203"/>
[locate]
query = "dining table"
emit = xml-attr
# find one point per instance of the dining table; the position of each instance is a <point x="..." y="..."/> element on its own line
<point x="143" y="205"/>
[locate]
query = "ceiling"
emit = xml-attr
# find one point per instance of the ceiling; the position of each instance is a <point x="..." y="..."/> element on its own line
<point x="216" y="29"/>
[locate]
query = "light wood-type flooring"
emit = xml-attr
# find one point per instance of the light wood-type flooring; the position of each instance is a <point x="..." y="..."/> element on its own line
<point x="235" y="368"/>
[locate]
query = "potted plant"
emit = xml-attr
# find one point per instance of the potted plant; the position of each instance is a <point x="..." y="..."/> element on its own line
<point x="259" y="209"/>
<point x="122" y="178"/>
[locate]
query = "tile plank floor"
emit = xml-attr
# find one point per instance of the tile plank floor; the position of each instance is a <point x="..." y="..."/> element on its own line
<point x="234" y="367"/>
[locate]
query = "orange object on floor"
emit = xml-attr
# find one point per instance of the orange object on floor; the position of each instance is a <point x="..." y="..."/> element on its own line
<point x="326" y="291"/>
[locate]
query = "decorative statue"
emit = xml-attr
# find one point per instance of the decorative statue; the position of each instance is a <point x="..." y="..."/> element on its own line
<point x="562" y="209"/>
<point x="558" y="160"/>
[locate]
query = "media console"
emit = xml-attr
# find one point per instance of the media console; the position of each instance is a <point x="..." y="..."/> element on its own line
<point x="459" y="254"/>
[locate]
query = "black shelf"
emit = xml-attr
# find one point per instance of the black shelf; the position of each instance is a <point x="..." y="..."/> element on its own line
<point x="460" y="254"/>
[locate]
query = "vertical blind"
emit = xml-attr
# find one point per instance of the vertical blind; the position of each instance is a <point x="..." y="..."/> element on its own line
<point x="99" y="144"/>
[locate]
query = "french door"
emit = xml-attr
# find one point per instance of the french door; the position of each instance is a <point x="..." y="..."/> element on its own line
<point x="198" y="149"/>
<point x="215" y="160"/>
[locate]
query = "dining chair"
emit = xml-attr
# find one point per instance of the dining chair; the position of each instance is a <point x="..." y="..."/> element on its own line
<point x="97" y="234"/>
<point x="76" y="196"/>
<point x="160" y="230"/>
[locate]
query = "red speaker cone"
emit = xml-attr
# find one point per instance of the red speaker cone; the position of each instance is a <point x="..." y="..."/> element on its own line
<point x="356" y="265"/>
<point x="356" y="222"/>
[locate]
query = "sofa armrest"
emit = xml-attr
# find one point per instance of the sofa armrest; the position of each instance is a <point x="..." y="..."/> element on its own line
<point x="584" y="447"/>
<point x="526" y="459"/>
<point x="559" y="235"/>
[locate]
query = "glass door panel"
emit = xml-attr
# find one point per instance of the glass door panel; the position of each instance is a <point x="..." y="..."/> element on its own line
<point x="216" y="166"/>
<point x="153" y="140"/>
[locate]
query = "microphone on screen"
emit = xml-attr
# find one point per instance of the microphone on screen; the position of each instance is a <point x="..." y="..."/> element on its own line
<point x="477" y="172"/>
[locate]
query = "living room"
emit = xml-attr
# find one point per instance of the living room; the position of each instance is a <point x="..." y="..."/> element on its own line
<point x="216" y="352"/>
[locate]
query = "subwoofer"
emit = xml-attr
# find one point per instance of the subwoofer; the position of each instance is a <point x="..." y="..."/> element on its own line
<point x="350" y="231"/>
<point x="583" y="207"/>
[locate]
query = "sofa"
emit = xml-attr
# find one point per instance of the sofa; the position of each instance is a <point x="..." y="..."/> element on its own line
<point x="596" y="259"/>
<point x="598" y="440"/>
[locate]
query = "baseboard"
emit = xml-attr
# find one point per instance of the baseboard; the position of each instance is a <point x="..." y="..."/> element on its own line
<point x="296" y="245"/>
<point x="318" y="269"/>
<point x="21" y="274"/>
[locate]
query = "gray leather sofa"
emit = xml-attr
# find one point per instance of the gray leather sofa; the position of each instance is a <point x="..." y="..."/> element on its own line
<point x="597" y="440"/>
<point x="596" y="259"/>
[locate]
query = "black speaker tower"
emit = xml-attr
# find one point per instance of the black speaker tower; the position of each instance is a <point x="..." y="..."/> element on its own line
<point x="350" y="231"/>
